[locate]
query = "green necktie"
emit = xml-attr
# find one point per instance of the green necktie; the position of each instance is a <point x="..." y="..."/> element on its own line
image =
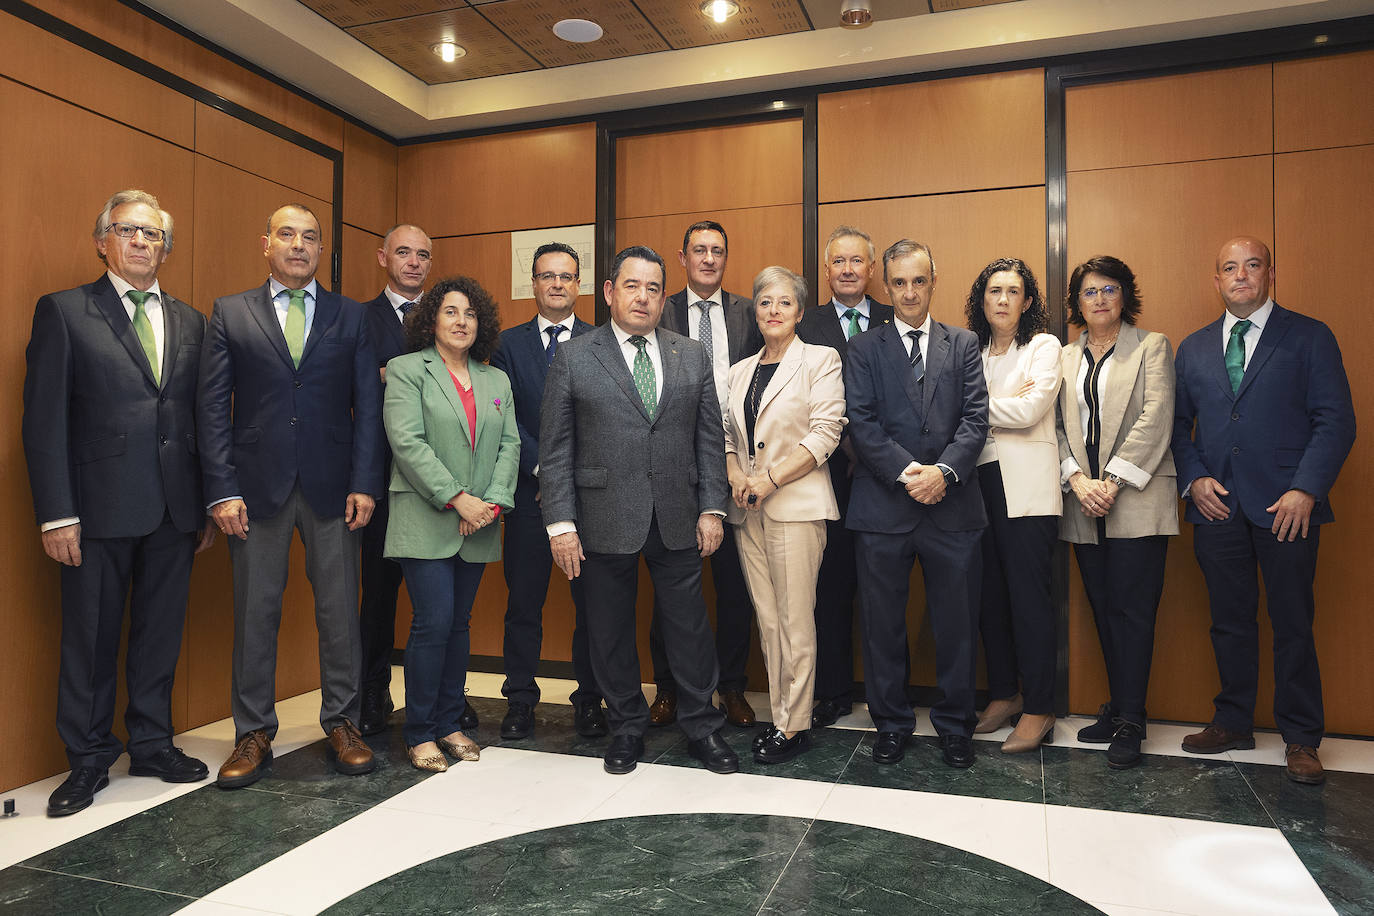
<point x="644" y="377"/>
<point x="295" y="325"/>
<point x="1235" y="353"/>
<point x="144" y="329"/>
<point x="853" y="316"/>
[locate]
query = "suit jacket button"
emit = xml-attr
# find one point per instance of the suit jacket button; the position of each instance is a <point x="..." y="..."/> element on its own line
<point x="650" y="475"/>
<point x="162" y="440"/>
<point x="293" y="421"/>
<point x="925" y="430"/>
<point x="1235" y="416"/>
<point x="298" y="383"/>
<point x="162" y="399"/>
<point x="1235" y="450"/>
<point x="759" y="446"/>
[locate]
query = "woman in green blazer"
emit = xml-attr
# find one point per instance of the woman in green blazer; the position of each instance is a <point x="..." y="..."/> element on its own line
<point x="455" y="449"/>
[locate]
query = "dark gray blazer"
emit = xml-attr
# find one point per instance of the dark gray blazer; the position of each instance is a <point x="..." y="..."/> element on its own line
<point x="605" y="466"/>
<point x="741" y="327"/>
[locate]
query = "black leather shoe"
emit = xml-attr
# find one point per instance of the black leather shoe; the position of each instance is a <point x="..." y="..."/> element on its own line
<point x="77" y="792"/>
<point x="714" y="753"/>
<point x="779" y="748"/>
<point x="828" y="712"/>
<point x="170" y="764"/>
<point x="589" y="720"/>
<point x="377" y="708"/>
<point x="764" y="734"/>
<point x="1101" y="731"/>
<point x="957" y="750"/>
<point x="467" y="722"/>
<point x="623" y="754"/>
<point x="1124" y="752"/>
<point x="519" y="721"/>
<point x="889" y="748"/>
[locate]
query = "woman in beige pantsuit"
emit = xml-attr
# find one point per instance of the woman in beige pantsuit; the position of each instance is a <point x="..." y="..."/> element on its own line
<point x="783" y="421"/>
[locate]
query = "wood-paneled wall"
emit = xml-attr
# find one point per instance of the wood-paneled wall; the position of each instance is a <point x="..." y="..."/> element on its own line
<point x="91" y="127"/>
<point x="1162" y="172"/>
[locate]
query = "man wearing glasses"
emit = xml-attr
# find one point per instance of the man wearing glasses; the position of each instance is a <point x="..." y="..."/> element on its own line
<point x="109" y="433"/>
<point x="290" y="438"/>
<point x="525" y="353"/>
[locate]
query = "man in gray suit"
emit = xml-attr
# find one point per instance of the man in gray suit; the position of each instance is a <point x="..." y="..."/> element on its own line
<point x="109" y="433"/>
<point x="632" y="463"/>
<point x="725" y="325"/>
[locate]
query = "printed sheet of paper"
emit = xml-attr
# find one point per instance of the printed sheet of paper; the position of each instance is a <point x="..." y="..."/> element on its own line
<point x="523" y="245"/>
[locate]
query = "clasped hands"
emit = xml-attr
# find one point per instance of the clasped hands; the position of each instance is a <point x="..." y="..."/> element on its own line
<point x="925" y="483"/>
<point x="1095" y="497"/>
<point x="474" y="513"/>
<point x="750" y="492"/>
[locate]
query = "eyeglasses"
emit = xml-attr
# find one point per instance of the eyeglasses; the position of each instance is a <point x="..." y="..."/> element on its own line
<point x="127" y="230"/>
<point x="1108" y="292"/>
<point x="549" y="276"/>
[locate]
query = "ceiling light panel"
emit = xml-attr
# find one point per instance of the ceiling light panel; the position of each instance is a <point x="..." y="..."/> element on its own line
<point x="529" y="23"/>
<point x="685" y="27"/>
<point x="407" y="42"/>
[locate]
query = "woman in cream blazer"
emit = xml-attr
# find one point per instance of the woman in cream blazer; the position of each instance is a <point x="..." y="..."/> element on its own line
<point x="1115" y="419"/>
<point x="1018" y="472"/>
<point x="782" y="422"/>
<point x="456" y="450"/>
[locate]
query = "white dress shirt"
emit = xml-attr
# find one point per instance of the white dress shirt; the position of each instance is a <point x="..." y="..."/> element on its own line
<point x="281" y="301"/>
<point x="564" y="335"/>
<point x="397" y="300"/>
<point x="1258" y="319"/>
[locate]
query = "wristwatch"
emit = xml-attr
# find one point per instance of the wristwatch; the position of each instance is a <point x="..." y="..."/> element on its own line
<point x="948" y="475"/>
<point x="1116" y="479"/>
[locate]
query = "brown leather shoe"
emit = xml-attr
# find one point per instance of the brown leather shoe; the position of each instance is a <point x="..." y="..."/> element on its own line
<point x="249" y="762"/>
<point x="352" y="756"/>
<point x="664" y="709"/>
<point x="1303" y="765"/>
<point x="1216" y="740"/>
<point x="736" y="708"/>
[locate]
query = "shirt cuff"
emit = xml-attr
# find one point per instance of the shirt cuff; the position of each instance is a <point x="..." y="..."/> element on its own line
<point x="944" y="467"/>
<point x="558" y="528"/>
<point x="1067" y="468"/>
<point x="218" y="501"/>
<point x="58" y="523"/>
<point x="716" y="512"/>
<point x="1127" y="472"/>
<point x="535" y="472"/>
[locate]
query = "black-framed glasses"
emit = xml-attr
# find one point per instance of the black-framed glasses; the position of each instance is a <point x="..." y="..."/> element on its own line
<point x="549" y="276"/>
<point x="127" y="230"/>
<point x="1107" y="292"/>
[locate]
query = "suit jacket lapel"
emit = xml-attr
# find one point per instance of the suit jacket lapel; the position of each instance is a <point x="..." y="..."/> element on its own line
<point x="1120" y="383"/>
<point x="1072" y="359"/>
<point x="434" y="364"/>
<point x="894" y="351"/>
<point x="262" y="310"/>
<point x="937" y="350"/>
<point x="670" y="355"/>
<point x="1215" y="359"/>
<point x="112" y="308"/>
<point x="787" y="370"/>
<point x="534" y="342"/>
<point x="1273" y="332"/>
<point x="607" y="351"/>
<point x="678" y="303"/>
<point x="171" y="339"/>
<point x="737" y="321"/>
<point x="327" y="307"/>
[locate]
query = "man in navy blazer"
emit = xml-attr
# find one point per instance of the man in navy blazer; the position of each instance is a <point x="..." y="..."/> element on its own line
<point x="1263" y="421"/>
<point x="405" y="255"/>
<point x="290" y="438"/>
<point x="525" y="353"/>
<point x="918" y="417"/>
<point x="109" y="433"/>
<point x="848" y="264"/>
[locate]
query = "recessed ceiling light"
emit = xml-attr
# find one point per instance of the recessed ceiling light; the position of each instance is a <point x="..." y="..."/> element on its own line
<point x="855" y="13"/>
<point x="719" y="10"/>
<point x="448" y="51"/>
<point x="579" y="30"/>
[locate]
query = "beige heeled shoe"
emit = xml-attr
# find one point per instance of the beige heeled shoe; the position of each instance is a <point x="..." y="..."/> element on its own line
<point x="998" y="714"/>
<point x="462" y="750"/>
<point x="433" y="763"/>
<point x="1031" y="732"/>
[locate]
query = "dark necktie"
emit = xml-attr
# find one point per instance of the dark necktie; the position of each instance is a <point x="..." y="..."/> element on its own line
<point x="1235" y="353"/>
<point x="918" y="366"/>
<point x="853" y="315"/>
<point x="552" y="348"/>
<point x="644" y="377"/>
<point x="405" y="308"/>
<point x="143" y="329"/>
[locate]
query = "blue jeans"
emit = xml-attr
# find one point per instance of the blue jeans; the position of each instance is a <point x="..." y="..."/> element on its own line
<point x="441" y="593"/>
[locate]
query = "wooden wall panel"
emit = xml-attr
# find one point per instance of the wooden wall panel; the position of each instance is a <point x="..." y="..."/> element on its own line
<point x="1324" y="101"/>
<point x="710" y="168"/>
<point x="1172" y="250"/>
<point x="959" y="134"/>
<point x="363" y="277"/>
<point x="237" y="143"/>
<point x="520" y="180"/>
<point x="1324" y="215"/>
<point x="126" y="28"/>
<point x="759" y="237"/>
<point x="369" y="181"/>
<point x="27" y="54"/>
<point x="964" y="232"/>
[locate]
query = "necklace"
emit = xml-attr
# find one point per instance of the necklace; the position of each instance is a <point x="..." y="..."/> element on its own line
<point x="1105" y="343"/>
<point x="754" y="393"/>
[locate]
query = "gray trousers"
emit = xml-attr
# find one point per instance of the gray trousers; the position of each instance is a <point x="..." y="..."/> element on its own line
<point x="260" y="569"/>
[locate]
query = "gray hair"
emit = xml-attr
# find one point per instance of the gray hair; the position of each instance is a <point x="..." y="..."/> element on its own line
<point x="132" y="196"/>
<point x="844" y="232"/>
<point x="901" y="249"/>
<point x="771" y="276"/>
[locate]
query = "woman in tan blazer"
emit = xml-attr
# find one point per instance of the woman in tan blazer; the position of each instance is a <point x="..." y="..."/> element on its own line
<point x="1018" y="472"/>
<point x="456" y="450"/>
<point x="1115" y="418"/>
<point x="782" y="422"/>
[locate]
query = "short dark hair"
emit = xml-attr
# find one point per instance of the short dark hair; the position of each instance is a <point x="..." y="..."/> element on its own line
<point x="1033" y="320"/>
<point x="555" y="248"/>
<point x="644" y="253"/>
<point x="421" y="320"/>
<point x="1114" y="269"/>
<point x="904" y="248"/>
<point x="704" y="225"/>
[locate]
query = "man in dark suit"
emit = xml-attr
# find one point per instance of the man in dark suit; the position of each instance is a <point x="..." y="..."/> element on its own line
<point x="918" y="417"/>
<point x="1263" y="421"/>
<point x="707" y="313"/>
<point x="406" y="256"/>
<point x="632" y="463"/>
<point x="849" y="257"/>
<point x="109" y="434"/>
<point x="525" y="353"/>
<point x="290" y="437"/>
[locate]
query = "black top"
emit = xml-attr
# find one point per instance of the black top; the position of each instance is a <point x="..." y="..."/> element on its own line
<point x="763" y="374"/>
